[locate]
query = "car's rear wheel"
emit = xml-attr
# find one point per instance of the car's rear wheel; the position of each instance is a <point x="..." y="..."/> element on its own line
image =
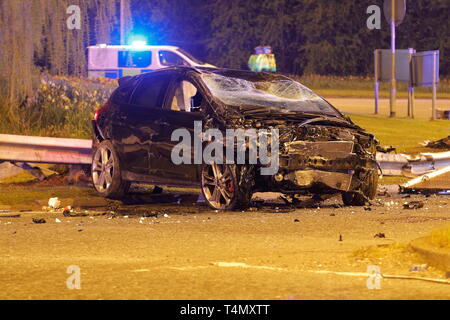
<point x="367" y="193"/>
<point x="221" y="188"/>
<point x="106" y="172"/>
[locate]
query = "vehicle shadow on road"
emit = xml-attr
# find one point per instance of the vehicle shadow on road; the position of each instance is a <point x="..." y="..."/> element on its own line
<point x="149" y="198"/>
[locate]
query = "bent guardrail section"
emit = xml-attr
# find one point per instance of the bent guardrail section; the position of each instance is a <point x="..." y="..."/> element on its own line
<point x="45" y="150"/>
<point x="412" y="166"/>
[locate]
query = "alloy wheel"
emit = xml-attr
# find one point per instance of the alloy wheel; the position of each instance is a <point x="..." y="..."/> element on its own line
<point x="218" y="186"/>
<point x="103" y="169"/>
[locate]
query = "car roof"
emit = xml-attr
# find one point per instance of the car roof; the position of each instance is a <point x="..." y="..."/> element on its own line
<point x="200" y="70"/>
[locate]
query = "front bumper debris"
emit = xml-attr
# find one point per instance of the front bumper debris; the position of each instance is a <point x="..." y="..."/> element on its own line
<point x="308" y="178"/>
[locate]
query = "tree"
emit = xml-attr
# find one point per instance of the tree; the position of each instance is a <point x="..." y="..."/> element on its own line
<point x="327" y="37"/>
<point x="184" y="23"/>
<point x="35" y="38"/>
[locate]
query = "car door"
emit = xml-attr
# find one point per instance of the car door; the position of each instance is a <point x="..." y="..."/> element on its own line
<point x="137" y="125"/>
<point x="179" y="115"/>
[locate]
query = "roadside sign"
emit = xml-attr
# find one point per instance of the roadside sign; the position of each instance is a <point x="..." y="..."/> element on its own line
<point x="425" y="73"/>
<point x="383" y="65"/>
<point x="425" y="69"/>
<point x="384" y="72"/>
<point x="418" y="69"/>
<point x="400" y="11"/>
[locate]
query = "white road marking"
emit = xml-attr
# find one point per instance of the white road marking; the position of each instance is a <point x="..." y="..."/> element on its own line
<point x="246" y="266"/>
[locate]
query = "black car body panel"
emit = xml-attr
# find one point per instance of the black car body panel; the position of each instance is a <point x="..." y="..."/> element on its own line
<point x="322" y="151"/>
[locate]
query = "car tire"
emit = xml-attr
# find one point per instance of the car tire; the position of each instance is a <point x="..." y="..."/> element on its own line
<point x="221" y="188"/>
<point x="106" y="172"/>
<point x="369" y="191"/>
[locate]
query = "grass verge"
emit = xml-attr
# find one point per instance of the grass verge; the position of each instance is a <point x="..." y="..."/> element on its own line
<point x="403" y="134"/>
<point x="441" y="237"/>
<point x="363" y="87"/>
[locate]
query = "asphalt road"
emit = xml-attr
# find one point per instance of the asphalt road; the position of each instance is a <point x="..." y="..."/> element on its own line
<point x="189" y="252"/>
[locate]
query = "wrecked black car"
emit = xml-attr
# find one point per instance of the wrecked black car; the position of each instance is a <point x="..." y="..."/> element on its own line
<point x="313" y="149"/>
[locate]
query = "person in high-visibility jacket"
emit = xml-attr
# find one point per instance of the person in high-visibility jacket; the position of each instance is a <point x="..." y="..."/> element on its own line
<point x="263" y="60"/>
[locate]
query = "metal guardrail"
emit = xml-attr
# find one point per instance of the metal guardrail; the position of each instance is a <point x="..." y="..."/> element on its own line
<point x="412" y="166"/>
<point x="45" y="150"/>
<point x="15" y="148"/>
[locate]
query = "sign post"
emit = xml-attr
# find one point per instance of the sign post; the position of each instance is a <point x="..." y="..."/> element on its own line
<point x="122" y="22"/>
<point x="435" y="63"/>
<point x="411" y="86"/>
<point x="395" y="11"/>
<point x="125" y="21"/>
<point x="393" y="94"/>
<point x="377" y="82"/>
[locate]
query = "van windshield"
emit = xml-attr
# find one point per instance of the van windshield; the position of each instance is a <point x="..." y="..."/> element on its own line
<point x="270" y="92"/>
<point x="190" y="56"/>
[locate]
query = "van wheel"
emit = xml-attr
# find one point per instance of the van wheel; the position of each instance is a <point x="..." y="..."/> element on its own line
<point x="106" y="172"/>
<point x="221" y="188"/>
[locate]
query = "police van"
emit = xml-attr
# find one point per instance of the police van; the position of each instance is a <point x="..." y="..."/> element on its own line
<point x="112" y="61"/>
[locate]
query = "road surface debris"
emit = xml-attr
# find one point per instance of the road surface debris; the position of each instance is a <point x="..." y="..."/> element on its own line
<point x="39" y="221"/>
<point x="413" y="205"/>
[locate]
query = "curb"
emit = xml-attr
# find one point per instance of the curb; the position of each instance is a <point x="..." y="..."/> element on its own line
<point x="437" y="257"/>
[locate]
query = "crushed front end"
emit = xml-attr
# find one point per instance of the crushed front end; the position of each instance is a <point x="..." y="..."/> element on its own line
<point x="325" y="159"/>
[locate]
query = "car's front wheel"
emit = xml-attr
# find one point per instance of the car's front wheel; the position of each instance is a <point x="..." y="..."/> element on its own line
<point x="221" y="188"/>
<point x="106" y="172"/>
<point x="367" y="193"/>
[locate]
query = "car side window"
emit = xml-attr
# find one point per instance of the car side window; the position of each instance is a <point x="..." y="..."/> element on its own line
<point x="151" y="91"/>
<point x="168" y="58"/>
<point x="185" y="96"/>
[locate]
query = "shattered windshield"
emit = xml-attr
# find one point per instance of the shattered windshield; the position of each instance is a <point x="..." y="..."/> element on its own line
<point x="272" y="93"/>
